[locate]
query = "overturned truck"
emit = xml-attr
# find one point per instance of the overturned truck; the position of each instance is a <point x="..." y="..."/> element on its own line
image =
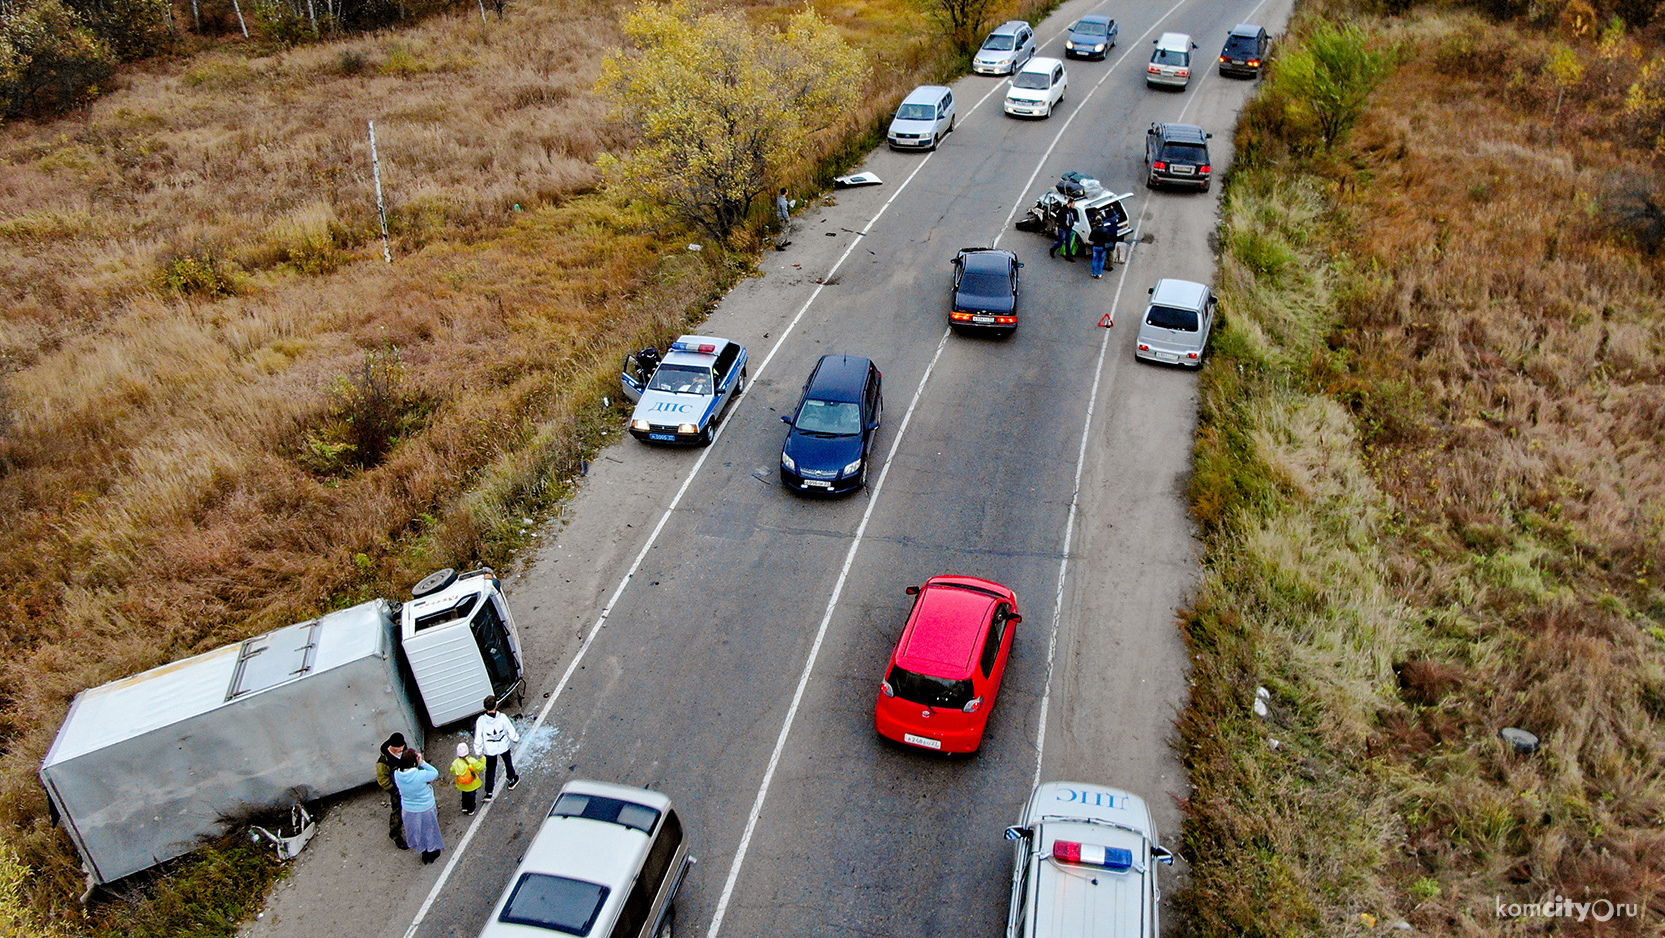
<point x="147" y="768"/>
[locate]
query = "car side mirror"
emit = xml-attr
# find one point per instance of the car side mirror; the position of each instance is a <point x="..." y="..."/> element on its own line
<point x="1020" y="263"/>
<point x="1151" y="291"/>
<point x="785" y="419"/>
<point x="1017" y="833"/>
<point x="912" y="591"/>
<point x="1015" y="620"/>
<point x="1208" y="136"/>
<point x="1162" y="855"/>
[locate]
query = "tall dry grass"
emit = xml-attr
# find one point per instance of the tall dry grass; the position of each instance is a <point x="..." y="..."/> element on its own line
<point x="187" y="269"/>
<point x="1431" y="482"/>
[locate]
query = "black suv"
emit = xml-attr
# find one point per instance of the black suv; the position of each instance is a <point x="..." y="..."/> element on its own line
<point x="1177" y="155"/>
<point x="1245" y="51"/>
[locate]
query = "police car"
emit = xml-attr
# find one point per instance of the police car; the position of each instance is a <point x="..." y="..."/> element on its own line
<point x="1085" y="865"/>
<point x="681" y="395"/>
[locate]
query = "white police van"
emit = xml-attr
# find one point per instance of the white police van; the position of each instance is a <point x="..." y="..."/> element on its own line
<point x="1085" y="865"/>
<point x="681" y="396"/>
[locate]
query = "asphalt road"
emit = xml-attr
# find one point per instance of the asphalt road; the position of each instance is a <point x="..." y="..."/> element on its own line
<point x="736" y="668"/>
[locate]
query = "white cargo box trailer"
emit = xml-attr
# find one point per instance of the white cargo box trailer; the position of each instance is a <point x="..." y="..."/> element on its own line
<point x="144" y="768"/>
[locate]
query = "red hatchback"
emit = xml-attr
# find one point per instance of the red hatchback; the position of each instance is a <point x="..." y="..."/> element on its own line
<point x="945" y="674"/>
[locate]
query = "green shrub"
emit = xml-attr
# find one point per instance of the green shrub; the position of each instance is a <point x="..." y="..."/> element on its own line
<point x="200" y="272"/>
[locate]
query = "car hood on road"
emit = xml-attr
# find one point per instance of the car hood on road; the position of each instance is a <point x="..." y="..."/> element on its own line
<point x="1038" y="95"/>
<point x="901" y="126"/>
<point x="814" y="452"/>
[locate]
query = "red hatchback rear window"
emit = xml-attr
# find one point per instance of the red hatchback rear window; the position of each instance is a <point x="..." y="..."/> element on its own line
<point x="930" y="691"/>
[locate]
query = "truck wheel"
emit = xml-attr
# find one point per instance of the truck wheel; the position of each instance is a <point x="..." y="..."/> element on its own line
<point x="433" y="582"/>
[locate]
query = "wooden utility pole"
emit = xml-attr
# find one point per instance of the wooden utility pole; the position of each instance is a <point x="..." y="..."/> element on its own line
<point x="381" y="204"/>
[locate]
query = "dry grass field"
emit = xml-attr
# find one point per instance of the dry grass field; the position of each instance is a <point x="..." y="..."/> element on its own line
<point x="1432" y="485"/>
<point x="221" y="411"/>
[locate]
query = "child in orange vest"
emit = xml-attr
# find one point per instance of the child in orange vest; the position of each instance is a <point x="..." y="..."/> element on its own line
<point x="467" y="769"/>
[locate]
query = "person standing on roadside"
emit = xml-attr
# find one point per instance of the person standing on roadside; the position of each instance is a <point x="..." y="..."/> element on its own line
<point x="494" y="735"/>
<point x="392" y="751"/>
<point x="415" y="778"/>
<point x="466" y="769"/>
<point x="783" y="215"/>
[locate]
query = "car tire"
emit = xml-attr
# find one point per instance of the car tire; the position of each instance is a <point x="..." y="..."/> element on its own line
<point x="1206" y="185"/>
<point x="1150" y="182"/>
<point x="666" y="924"/>
<point x="951" y="120"/>
<point x="936" y="141"/>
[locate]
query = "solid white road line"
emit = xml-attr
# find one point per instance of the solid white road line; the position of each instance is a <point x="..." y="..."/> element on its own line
<point x="815" y="651"/>
<point x="601" y="620"/>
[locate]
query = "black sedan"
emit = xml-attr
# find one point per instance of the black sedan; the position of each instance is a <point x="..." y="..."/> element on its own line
<point x="985" y="290"/>
<point x="834" y="427"/>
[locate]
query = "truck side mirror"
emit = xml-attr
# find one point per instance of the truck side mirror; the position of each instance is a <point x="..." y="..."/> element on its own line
<point x="1017" y="833"/>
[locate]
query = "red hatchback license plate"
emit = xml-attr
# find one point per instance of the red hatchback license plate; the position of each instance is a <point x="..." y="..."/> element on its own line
<point x="925" y="741"/>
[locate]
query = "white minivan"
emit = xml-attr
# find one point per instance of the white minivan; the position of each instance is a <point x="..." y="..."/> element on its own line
<point x="1037" y="88"/>
<point x="924" y="118"/>
<point x="1073" y="834"/>
<point x="1170" y="64"/>
<point x="607" y="863"/>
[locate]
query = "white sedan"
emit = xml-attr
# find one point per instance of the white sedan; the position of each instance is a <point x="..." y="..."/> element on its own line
<point x="1037" y="88"/>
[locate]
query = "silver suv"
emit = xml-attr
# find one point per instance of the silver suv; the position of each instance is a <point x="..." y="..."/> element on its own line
<point x="1176" y="324"/>
<point x="1005" y="50"/>
<point x="608" y="861"/>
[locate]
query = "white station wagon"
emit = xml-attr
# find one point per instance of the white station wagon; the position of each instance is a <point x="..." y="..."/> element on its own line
<point x="607" y="863"/>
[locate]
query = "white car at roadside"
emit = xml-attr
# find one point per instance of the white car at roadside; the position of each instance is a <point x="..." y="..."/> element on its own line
<point x="1037" y="88"/>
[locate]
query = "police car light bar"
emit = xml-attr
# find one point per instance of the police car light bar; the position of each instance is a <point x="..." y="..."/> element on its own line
<point x="707" y="349"/>
<point x="1111" y="858"/>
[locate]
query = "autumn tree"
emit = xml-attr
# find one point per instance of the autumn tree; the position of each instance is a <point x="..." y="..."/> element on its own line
<point x="49" y="60"/>
<point x="962" y="21"/>
<point x="1331" y="75"/>
<point x="722" y="110"/>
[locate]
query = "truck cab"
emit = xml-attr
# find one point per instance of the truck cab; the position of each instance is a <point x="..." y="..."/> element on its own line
<point x="460" y="643"/>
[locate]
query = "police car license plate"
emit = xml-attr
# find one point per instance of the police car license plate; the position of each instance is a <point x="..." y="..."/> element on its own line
<point x="662" y="436"/>
<point x="983" y="320"/>
<point x="817" y="483"/>
<point x="925" y="741"/>
<point x="1168" y="356"/>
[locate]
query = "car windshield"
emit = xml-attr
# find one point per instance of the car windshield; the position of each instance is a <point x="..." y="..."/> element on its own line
<point x="1035" y="80"/>
<point x="1000" y="43"/>
<point x="928" y="690"/>
<point x="611" y="810"/>
<point x="555" y="903"/>
<point x="1091" y="29"/>
<point x="681" y="379"/>
<point x="986" y="283"/>
<point x="916" y="112"/>
<point x="1166" y="317"/>
<point x="1185" y="153"/>
<point x="838" y="418"/>
<point x="1171" y="57"/>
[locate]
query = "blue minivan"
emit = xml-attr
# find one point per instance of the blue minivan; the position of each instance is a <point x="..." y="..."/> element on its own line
<point x="834" y="427"/>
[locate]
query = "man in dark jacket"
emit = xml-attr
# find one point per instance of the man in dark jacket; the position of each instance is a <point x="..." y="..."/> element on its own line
<point x="392" y="751"/>
<point x="1103" y="237"/>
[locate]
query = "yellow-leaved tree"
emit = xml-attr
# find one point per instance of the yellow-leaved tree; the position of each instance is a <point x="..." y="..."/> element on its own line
<point x="722" y="109"/>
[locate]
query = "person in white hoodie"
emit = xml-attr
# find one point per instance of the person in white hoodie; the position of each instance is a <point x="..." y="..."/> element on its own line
<point x="494" y="735"/>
